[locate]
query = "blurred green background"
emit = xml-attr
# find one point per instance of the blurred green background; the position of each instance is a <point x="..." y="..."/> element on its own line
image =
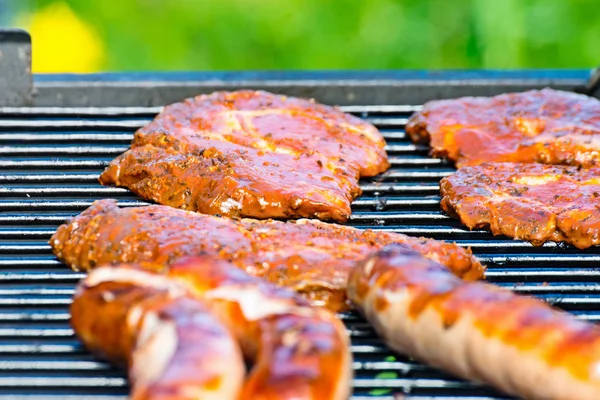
<point x="138" y="35"/>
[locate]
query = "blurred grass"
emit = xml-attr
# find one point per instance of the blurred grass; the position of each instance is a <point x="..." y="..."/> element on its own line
<point x="125" y="35"/>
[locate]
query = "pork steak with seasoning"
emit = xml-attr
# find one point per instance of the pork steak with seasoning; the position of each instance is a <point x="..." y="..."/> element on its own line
<point x="534" y="202"/>
<point x="546" y="126"/>
<point x="310" y="256"/>
<point x="251" y="154"/>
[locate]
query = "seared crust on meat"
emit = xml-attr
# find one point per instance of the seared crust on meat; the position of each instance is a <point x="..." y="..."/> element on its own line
<point x="546" y="126"/>
<point x="251" y="154"/>
<point x="172" y="344"/>
<point x="477" y="330"/>
<point x="533" y="202"/>
<point x="296" y="351"/>
<point x="309" y="256"/>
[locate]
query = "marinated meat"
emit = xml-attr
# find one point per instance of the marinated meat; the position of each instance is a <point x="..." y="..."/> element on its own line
<point x="298" y="351"/>
<point x="251" y="154"/>
<point x="546" y="126"/>
<point x="295" y="351"/>
<point x="309" y="256"/>
<point x="534" y="202"/>
<point x="173" y="346"/>
<point x="476" y="330"/>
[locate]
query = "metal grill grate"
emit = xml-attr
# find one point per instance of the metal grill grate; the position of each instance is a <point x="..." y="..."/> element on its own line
<point x="49" y="161"/>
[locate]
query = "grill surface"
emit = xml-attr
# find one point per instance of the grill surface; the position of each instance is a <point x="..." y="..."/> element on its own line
<point x="49" y="162"/>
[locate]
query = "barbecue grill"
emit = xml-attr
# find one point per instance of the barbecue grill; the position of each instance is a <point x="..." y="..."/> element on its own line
<point x="58" y="132"/>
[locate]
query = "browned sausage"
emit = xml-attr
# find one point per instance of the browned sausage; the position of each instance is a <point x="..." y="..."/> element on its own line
<point x="299" y="352"/>
<point x="476" y="330"/>
<point x="174" y="347"/>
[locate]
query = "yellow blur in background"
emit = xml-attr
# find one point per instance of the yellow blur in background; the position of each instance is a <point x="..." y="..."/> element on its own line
<point x="63" y="42"/>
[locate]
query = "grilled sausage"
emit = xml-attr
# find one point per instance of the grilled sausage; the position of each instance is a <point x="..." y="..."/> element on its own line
<point x="299" y="352"/>
<point x="476" y="330"/>
<point x="174" y="347"/>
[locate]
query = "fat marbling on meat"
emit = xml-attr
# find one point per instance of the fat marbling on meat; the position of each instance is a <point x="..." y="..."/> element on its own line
<point x="251" y="154"/>
<point x="546" y="126"/>
<point x="309" y="256"/>
<point x="534" y="202"/>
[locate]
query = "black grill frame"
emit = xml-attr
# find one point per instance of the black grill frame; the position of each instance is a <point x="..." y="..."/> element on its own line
<point x="51" y="154"/>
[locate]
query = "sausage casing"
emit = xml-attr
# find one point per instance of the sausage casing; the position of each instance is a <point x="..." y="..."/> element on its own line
<point x="476" y="330"/>
<point x="173" y="345"/>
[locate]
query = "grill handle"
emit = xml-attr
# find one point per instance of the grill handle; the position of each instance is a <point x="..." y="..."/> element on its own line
<point x="592" y="87"/>
<point x="15" y="68"/>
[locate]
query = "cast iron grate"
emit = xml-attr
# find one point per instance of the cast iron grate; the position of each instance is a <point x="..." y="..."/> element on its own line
<point x="49" y="161"/>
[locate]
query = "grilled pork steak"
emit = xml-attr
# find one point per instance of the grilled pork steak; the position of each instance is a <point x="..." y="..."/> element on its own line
<point x="309" y="256"/>
<point x="476" y="330"/>
<point x="534" y="202"/>
<point x="251" y="154"/>
<point x="546" y="126"/>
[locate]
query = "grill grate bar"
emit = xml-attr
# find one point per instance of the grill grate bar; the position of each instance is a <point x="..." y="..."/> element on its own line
<point x="19" y="262"/>
<point x="23" y="164"/>
<point x="99" y="163"/>
<point x="36" y="332"/>
<point x="93" y="177"/>
<point x="25" y="178"/>
<point x="72" y="124"/>
<point x="61" y="137"/>
<point x="92" y="365"/>
<point x="116" y="150"/>
<point x="131" y="124"/>
<point x="54" y="218"/>
<point x="385" y="122"/>
<point x="33" y="317"/>
<point x="583" y="308"/>
<point x="33" y="204"/>
<point x="114" y="136"/>
<point x="496" y="274"/>
<point x="62" y="150"/>
<point x="422" y="162"/>
<point x="127" y="111"/>
<point x="68" y="381"/>
<point x="48" y="347"/>
<point x="13" y="233"/>
<point x="399" y="188"/>
<point x="66" y="191"/>
<point x="70" y="397"/>
<point x="56" y="365"/>
<point x="406" y="148"/>
<point x="50" y="301"/>
<point x="79" y="111"/>
<point x="50" y="276"/>
<point x="413" y="383"/>
<point x="58" y="333"/>
<point x="101" y="191"/>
